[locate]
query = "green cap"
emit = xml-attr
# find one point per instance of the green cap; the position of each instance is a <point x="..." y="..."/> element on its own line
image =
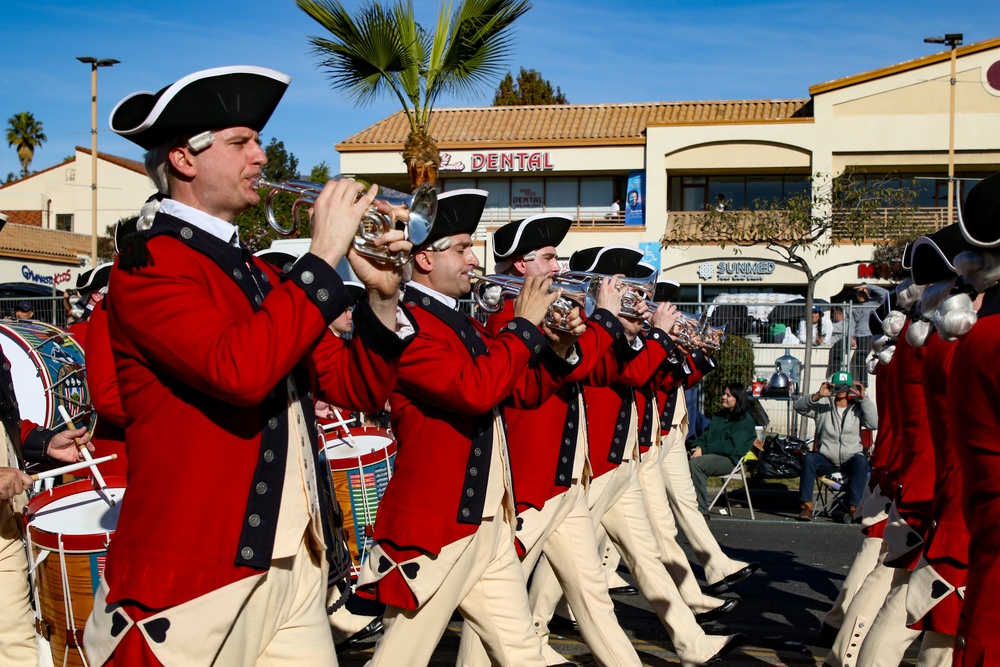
<point x="841" y="378"/>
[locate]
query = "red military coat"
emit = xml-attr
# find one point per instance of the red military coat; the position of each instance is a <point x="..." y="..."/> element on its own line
<point x="609" y="394"/>
<point x="884" y="460"/>
<point x="203" y="343"/>
<point x="947" y="546"/>
<point x="973" y="391"/>
<point x="109" y="432"/>
<point x="542" y="441"/>
<point x="30" y="439"/>
<point x="451" y="378"/>
<point x="913" y="484"/>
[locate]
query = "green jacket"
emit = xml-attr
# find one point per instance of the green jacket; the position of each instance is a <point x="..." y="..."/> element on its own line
<point x="730" y="439"/>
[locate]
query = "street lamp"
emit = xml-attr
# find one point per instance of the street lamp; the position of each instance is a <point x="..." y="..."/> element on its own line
<point x="952" y="40"/>
<point x="94" y="64"/>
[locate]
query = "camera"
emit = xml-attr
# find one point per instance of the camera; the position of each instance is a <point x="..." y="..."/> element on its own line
<point x="839" y="388"/>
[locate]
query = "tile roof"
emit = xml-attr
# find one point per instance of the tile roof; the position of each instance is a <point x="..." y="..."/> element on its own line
<point x="916" y="63"/>
<point x="42" y="244"/>
<point x="570" y="124"/>
<point x="32" y="218"/>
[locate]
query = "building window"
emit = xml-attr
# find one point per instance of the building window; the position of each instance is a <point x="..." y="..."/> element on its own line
<point x="70" y="175"/>
<point x="696" y="193"/>
<point x="64" y="222"/>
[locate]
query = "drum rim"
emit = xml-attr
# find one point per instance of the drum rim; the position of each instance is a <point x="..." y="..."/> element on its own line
<point x="367" y="458"/>
<point x="82" y="543"/>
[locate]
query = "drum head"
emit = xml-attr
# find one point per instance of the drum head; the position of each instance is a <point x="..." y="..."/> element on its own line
<point x="368" y="445"/>
<point x="75" y="514"/>
<point x="47" y="367"/>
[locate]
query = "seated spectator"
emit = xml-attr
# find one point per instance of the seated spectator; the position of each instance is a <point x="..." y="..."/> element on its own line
<point x="840" y="408"/>
<point x="729" y="437"/>
<point x="820" y="329"/>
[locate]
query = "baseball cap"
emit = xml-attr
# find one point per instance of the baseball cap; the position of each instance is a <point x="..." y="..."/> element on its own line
<point x="841" y="378"/>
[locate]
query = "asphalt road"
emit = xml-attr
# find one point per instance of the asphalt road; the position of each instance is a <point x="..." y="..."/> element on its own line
<point x="781" y="606"/>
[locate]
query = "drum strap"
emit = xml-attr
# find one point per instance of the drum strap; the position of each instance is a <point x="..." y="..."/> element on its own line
<point x="74" y="637"/>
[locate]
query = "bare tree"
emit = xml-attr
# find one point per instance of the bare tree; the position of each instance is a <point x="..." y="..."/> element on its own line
<point x="852" y="207"/>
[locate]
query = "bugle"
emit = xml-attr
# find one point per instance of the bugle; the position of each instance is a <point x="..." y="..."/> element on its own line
<point x="490" y="292"/>
<point x="635" y="290"/>
<point x="421" y="205"/>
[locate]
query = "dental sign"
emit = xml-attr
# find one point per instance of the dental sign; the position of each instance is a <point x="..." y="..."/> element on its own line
<point x="494" y="162"/>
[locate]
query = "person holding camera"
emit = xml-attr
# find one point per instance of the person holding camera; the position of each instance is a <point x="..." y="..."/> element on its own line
<point x="840" y="408"/>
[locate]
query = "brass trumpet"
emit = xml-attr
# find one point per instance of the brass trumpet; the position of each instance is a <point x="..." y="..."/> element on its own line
<point x="636" y="290"/>
<point x="422" y="206"/>
<point x="490" y="292"/>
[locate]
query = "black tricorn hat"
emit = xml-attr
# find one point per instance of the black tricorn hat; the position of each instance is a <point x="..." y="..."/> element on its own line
<point x="934" y="255"/>
<point x="607" y="260"/>
<point x="665" y="290"/>
<point x="458" y="212"/>
<point x="642" y="271"/>
<point x="354" y="290"/>
<point x="280" y="259"/>
<point x="95" y="278"/>
<point x="212" y="99"/>
<point x="979" y="214"/>
<point x="524" y="236"/>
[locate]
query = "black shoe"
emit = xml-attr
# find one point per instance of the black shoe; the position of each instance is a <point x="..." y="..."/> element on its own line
<point x="372" y="628"/>
<point x="717" y="613"/>
<point x="736" y="641"/>
<point x="733" y="579"/>
<point x="827" y="635"/>
<point x="624" y="590"/>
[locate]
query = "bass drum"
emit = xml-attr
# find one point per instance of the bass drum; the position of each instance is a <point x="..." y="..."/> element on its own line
<point x="68" y="529"/>
<point x="47" y="366"/>
<point x="361" y="463"/>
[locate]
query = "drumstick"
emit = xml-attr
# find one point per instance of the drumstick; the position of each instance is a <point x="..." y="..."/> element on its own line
<point x="73" y="467"/>
<point x="88" y="458"/>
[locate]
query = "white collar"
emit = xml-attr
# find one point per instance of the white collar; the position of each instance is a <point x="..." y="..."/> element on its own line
<point x="217" y="227"/>
<point x="451" y="302"/>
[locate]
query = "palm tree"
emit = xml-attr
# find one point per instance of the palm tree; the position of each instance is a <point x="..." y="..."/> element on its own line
<point x="26" y="133"/>
<point x="383" y="50"/>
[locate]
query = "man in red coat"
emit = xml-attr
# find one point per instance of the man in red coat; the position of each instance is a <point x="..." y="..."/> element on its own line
<point x="22" y="442"/>
<point x="221" y="550"/>
<point x="548" y="453"/>
<point x="444" y="536"/>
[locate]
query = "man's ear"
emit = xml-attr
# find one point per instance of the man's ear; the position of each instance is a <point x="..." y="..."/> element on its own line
<point x="520" y="264"/>
<point x="423" y="261"/>
<point x="180" y="160"/>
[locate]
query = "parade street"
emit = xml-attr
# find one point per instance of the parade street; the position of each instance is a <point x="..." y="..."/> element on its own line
<point x="781" y="606"/>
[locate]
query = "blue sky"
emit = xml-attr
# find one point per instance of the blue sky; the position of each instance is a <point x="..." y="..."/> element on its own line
<point x="596" y="51"/>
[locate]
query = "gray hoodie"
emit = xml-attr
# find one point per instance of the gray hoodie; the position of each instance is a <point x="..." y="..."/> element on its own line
<point x="838" y="434"/>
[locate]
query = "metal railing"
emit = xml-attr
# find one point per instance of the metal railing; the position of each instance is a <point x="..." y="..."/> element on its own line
<point x="49" y="309"/>
<point x="688" y="226"/>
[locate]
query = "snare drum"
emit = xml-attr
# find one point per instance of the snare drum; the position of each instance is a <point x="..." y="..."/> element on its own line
<point x="361" y="463"/>
<point x="47" y="366"/>
<point x="69" y="529"/>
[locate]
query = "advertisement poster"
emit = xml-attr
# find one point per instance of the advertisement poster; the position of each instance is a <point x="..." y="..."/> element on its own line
<point x="635" y="199"/>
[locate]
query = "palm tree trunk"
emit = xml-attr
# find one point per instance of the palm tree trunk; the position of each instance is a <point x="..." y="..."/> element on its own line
<point x="422" y="158"/>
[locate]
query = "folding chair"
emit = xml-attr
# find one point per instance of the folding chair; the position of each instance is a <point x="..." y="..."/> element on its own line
<point x="830" y="495"/>
<point x="741" y="471"/>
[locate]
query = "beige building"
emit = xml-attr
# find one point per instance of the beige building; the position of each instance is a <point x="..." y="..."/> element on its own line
<point x="577" y="159"/>
<point x="58" y="199"/>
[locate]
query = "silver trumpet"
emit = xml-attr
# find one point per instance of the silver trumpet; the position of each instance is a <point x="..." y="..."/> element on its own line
<point x="490" y="292"/>
<point x="691" y="331"/>
<point x="636" y="290"/>
<point x="422" y="207"/>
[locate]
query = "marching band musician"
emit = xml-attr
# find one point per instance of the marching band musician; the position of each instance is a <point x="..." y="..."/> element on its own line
<point x="219" y="553"/>
<point x="444" y="536"/>
<point x="615" y="494"/>
<point x="22" y="441"/>
<point x="549" y="457"/>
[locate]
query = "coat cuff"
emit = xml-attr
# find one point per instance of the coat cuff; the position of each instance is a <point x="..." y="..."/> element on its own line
<point x="623" y="349"/>
<point x="376" y="336"/>
<point x="660" y="336"/>
<point x="529" y="334"/>
<point x="35" y="443"/>
<point x="604" y="320"/>
<point x="702" y="361"/>
<point x="321" y="284"/>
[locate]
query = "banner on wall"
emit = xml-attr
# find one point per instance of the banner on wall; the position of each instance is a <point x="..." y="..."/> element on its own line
<point x="635" y="199"/>
<point x="651" y="254"/>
